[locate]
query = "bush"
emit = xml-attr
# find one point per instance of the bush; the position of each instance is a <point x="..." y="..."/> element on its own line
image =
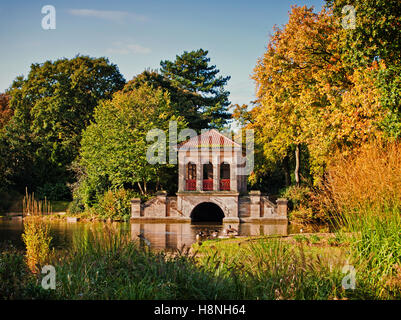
<point x="76" y="206"/>
<point x="302" y="205"/>
<point x="367" y="181"/>
<point x="301" y="238"/>
<point x="314" y="238"/>
<point x="115" y="205"/>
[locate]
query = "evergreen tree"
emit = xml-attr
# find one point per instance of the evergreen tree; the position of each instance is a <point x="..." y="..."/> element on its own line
<point x="192" y="73"/>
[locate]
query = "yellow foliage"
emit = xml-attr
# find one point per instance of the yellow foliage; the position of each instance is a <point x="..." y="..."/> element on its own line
<point x="366" y="181"/>
<point x="37" y="239"/>
<point x="307" y="94"/>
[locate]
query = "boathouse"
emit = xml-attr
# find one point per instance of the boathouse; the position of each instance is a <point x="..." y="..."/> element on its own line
<point x="212" y="186"/>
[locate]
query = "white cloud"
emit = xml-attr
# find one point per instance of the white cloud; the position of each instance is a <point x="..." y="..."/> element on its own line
<point x="115" y="16"/>
<point x="127" y="48"/>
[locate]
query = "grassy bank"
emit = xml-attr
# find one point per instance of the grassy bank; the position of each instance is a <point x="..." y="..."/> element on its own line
<point x="107" y="265"/>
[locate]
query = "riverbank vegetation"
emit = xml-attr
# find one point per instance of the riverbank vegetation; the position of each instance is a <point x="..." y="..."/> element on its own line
<point x="108" y="265"/>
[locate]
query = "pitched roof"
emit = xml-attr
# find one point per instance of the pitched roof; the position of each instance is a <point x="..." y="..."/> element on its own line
<point x="209" y="139"/>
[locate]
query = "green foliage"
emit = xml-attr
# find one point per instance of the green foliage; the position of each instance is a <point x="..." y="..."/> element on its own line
<point x="52" y="106"/>
<point x="16" y="281"/>
<point x="59" y="206"/>
<point x="273" y="269"/>
<point x="76" y="206"/>
<point x="115" y="204"/>
<point x="301" y="238"/>
<point x="110" y="266"/>
<point x="114" y="147"/>
<point x="54" y="191"/>
<point x="184" y="102"/>
<point x="303" y="205"/>
<point x="314" y="239"/>
<point x="376" y="37"/>
<point x="333" y="241"/>
<point x="192" y="73"/>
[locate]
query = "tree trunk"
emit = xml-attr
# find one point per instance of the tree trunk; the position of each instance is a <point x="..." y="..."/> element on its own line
<point x="296" y="172"/>
<point x="158" y="184"/>
<point x="287" y="174"/>
<point x="140" y="188"/>
<point x="145" y="187"/>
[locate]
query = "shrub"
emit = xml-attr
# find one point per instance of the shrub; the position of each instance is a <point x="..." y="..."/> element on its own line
<point x="303" y="205"/>
<point x="16" y="281"/>
<point x="367" y="181"/>
<point x="76" y="206"/>
<point x="115" y="204"/>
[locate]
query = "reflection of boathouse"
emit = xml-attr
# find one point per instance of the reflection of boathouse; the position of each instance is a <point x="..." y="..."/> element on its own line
<point x="211" y="187"/>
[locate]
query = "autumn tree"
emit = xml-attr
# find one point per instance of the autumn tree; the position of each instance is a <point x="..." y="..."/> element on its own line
<point x="375" y="40"/>
<point x="5" y="110"/>
<point x="306" y="98"/>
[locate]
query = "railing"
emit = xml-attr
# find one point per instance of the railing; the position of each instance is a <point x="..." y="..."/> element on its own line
<point x="208" y="185"/>
<point x="225" y="185"/>
<point x="190" y="185"/>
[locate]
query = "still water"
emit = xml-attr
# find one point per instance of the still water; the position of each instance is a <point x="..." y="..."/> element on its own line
<point x="158" y="235"/>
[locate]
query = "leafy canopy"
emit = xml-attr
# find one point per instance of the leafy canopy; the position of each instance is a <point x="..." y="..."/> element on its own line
<point x="52" y="106"/>
<point x="114" y="145"/>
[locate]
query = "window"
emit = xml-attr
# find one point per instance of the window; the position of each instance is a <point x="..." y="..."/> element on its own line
<point x="207" y="171"/>
<point x="224" y="171"/>
<point x="191" y="171"/>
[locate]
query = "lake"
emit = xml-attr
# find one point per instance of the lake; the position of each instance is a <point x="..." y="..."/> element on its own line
<point x="159" y="235"/>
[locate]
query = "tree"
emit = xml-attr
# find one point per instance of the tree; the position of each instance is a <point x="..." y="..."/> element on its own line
<point x="114" y="146"/>
<point x="376" y="38"/>
<point x="191" y="72"/>
<point x="184" y="102"/>
<point x="52" y="106"/>
<point x="306" y="97"/>
<point x="5" y="110"/>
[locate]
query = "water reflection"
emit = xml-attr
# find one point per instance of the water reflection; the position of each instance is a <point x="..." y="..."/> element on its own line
<point x="158" y="235"/>
<point x="176" y="235"/>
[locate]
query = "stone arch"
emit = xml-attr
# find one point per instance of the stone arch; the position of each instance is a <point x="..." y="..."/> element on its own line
<point x="207" y="211"/>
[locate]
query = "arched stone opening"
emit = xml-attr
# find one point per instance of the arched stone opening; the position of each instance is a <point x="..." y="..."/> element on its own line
<point x="207" y="212"/>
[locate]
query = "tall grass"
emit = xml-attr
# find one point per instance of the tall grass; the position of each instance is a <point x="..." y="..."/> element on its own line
<point x="106" y="265"/>
<point x="36" y="234"/>
<point x="363" y="191"/>
<point x="273" y="269"/>
<point x="33" y="207"/>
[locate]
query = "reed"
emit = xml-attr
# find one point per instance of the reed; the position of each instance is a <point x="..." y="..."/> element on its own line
<point x="33" y="207"/>
<point x="363" y="192"/>
<point x="37" y="240"/>
<point x="36" y="234"/>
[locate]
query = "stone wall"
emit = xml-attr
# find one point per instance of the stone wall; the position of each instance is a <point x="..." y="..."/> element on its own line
<point x="252" y="207"/>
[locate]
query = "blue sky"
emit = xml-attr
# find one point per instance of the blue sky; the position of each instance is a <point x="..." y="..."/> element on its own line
<point x="139" y="34"/>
